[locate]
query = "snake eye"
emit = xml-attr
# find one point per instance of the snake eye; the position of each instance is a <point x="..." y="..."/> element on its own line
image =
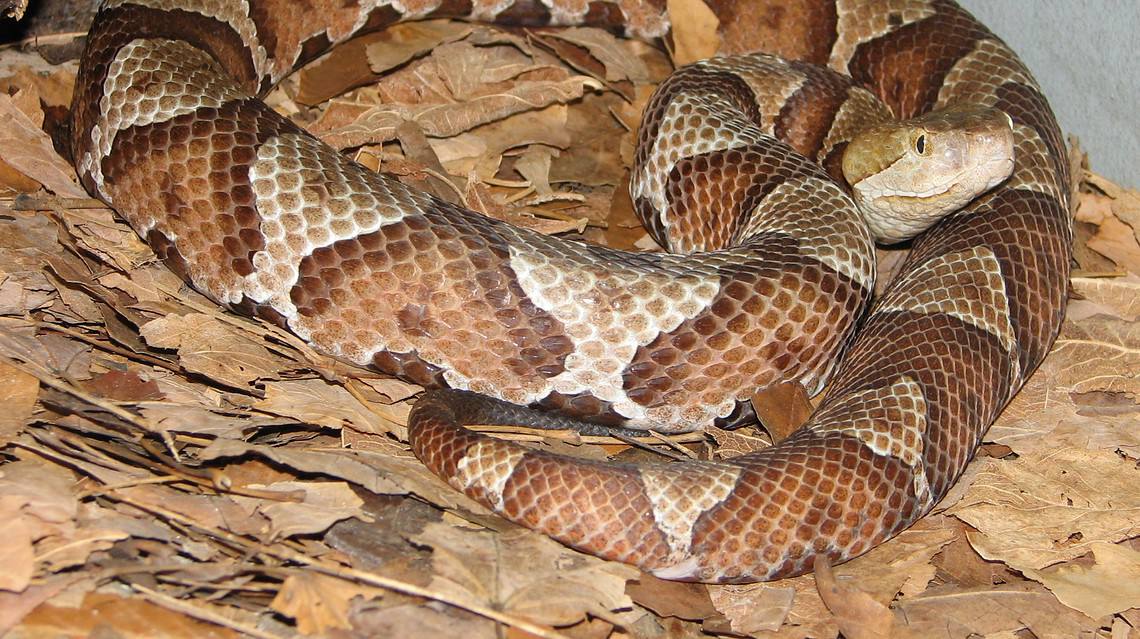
<point x="920" y="145"/>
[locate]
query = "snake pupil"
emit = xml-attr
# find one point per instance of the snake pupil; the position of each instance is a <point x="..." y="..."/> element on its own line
<point x="920" y="144"/>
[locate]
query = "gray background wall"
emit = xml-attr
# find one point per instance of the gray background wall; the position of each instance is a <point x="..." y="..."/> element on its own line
<point x="1086" y="56"/>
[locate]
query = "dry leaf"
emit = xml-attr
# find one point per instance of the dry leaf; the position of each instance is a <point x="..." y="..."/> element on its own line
<point x="314" y="401"/>
<point x="1117" y="297"/>
<point x="133" y="618"/>
<point x="18" y="393"/>
<point x="548" y="583"/>
<point x="212" y="348"/>
<point x="672" y="598"/>
<point x="422" y="621"/>
<point x="15" y="606"/>
<point x="16" y="552"/>
<point x="611" y="52"/>
<point x="753" y="608"/>
<point x="323" y="504"/>
<point x="782" y="408"/>
<point x="695" y="26"/>
<point x="28" y="149"/>
<point x="1099" y="354"/>
<point x="987" y="611"/>
<point x="318" y="602"/>
<point x="1050" y="506"/>
<point x="342" y="464"/>
<point x="396" y="45"/>
<point x="1115" y="241"/>
<point x="1110" y="585"/>
<point x="858" y="615"/>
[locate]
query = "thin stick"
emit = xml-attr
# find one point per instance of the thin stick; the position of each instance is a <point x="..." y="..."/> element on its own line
<point x="177" y="605"/>
<point x="350" y="574"/>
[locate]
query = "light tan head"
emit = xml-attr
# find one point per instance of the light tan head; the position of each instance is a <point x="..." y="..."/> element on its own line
<point x="907" y="175"/>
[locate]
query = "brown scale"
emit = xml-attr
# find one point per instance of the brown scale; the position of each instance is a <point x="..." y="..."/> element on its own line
<point x="438" y="286"/>
<point x="756" y="332"/>
<point x="204" y="199"/>
<point x="686" y="80"/>
<point x="808" y="114"/>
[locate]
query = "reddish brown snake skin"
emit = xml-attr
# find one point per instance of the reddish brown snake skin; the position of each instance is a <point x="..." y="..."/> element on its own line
<point x="263" y="218"/>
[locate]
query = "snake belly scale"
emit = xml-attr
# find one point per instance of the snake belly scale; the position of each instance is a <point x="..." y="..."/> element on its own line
<point x="772" y="271"/>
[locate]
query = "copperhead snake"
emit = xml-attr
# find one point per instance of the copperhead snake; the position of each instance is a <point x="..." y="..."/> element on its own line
<point x="772" y="274"/>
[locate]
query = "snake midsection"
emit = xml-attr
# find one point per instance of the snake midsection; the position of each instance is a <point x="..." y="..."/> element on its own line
<point x="262" y="217"/>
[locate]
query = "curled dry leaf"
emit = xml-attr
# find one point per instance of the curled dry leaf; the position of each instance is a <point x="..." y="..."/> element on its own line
<point x="467" y="88"/>
<point x="403" y="42"/>
<point x="611" y="52"/>
<point x="330" y="463"/>
<point x="28" y="149"/>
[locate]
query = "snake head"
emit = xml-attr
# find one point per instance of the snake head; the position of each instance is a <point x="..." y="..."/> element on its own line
<point x="907" y="175"/>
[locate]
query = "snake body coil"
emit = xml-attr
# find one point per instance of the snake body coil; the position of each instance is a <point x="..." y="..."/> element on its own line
<point x="260" y="216"/>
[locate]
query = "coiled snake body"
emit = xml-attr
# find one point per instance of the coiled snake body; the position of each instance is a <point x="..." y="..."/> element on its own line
<point x="260" y="216"/>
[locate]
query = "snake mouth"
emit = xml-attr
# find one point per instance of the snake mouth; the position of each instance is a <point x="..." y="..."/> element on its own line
<point x="998" y="170"/>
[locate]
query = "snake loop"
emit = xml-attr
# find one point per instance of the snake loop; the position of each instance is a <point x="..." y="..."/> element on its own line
<point x="771" y="270"/>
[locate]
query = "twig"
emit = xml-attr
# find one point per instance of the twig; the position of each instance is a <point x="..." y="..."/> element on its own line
<point x="166" y="601"/>
<point x="350" y="574"/>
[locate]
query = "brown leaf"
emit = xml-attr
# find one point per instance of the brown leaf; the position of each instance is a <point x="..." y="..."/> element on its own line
<point x="782" y="408"/>
<point x="752" y="608"/>
<point x="1114" y="240"/>
<point x="1099" y="354"/>
<point x="314" y="401"/>
<point x="123" y="386"/>
<point x="458" y="88"/>
<point x="988" y="611"/>
<point x="402" y="42"/>
<point x="961" y="565"/>
<point x="212" y="348"/>
<point x="324" y="504"/>
<point x="859" y="616"/>
<point x="319" y="603"/>
<point x="672" y="598"/>
<point x="734" y="443"/>
<point x="133" y="618"/>
<point x="903" y="564"/>
<point x="53" y="88"/>
<point x="554" y="585"/>
<point x="612" y="53"/>
<point x="18" y="393"/>
<point x="1050" y="506"/>
<point x="16" y="552"/>
<point x="695" y="31"/>
<point x="1124" y="203"/>
<point x="423" y="621"/>
<point x="1110" y="585"/>
<point x="342" y="464"/>
<point x="29" y="150"/>
<point x="15" y="606"/>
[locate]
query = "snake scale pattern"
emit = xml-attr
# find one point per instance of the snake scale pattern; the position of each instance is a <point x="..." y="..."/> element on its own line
<point x="770" y="273"/>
